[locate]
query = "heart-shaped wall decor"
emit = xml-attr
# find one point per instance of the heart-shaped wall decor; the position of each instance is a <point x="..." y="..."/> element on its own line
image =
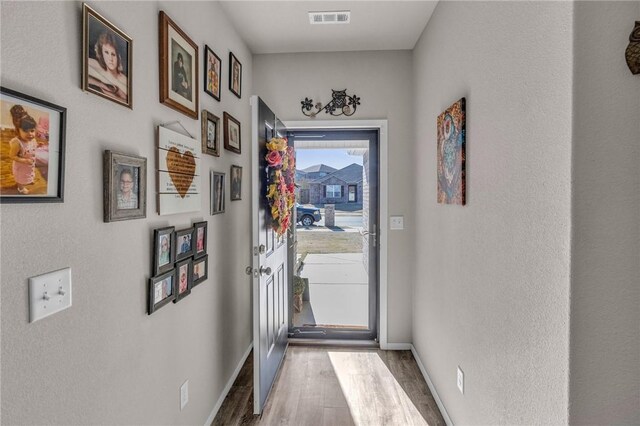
<point x="182" y="169"/>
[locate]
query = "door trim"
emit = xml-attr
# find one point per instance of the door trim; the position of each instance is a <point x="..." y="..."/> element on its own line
<point x="383" y="164"/>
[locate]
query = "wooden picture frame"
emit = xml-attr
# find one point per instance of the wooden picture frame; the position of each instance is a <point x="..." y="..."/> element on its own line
<point x="200" y="237"/>
<point x="210" y="134"/>
<point x="44" y="125"/>
<point x="162" y="290"/>
<point x="217" y="202"/>
<point x="235" y="75"/>
<point x="212" y="73"/>
<point x="184" y="270"/>
<point x="232" y="133"/>
<point x="184" y="243"/>
<point x="125" y="186"/>
<point x="199" y="270"/>
<point x="107" y="59"/>
<point x="178" y="68"/>
<point x="236" y="183"/>
<point x="164" y="249"/>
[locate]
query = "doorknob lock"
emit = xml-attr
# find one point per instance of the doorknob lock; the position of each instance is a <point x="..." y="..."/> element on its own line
<point x="265" y="271"/>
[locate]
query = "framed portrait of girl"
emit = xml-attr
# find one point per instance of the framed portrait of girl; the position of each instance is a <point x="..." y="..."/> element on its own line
<point x="107" y="59"/>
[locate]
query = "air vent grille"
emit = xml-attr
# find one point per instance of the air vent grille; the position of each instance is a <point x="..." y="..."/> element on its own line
<point x="337" y="17"/>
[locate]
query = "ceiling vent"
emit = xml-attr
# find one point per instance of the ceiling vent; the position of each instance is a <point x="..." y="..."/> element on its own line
<point x="337" y="17"/>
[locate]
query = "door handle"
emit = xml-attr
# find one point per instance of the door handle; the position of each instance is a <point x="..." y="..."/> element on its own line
<point x="265" y="271"/>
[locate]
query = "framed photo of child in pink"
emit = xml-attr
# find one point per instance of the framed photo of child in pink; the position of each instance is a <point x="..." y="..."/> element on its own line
<point x="201" y="239"/>
<point x="184" y="278"/>
<point x="32" y="140"/>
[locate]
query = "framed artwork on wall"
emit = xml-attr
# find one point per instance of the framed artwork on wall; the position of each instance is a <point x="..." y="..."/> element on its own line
<point x="161" y="290"/>
<point x="212" y="68"/>
<point x="125" y="187"/>
<point x="178" y="68"/>
<point x="184" y="279"/>
<point x="200" y="248"/>
<point x="107" y="58"/>
<point x="200" y="270"/>
<point x="32" y="136"/>
<point x="164" y="250"/>
<point x="217" y="192"/>
<point x="184" y="243"/>
<point x="451" y="154"/>
<point x="232" y="134"/>
<point x="210" y="134"/>
<point x="235" y="75"/>
<point x="236" y="183"/>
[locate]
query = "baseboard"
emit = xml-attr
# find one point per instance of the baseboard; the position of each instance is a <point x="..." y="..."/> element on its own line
<point x="432" y="388"/>
<point x="227" y="388"/>
<point x="396" y="346"/>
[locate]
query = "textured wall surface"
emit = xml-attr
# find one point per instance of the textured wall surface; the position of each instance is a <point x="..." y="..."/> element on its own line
<point x="383" y="81"/>
<point x="492" y="278"/>
<point x="104" y="360"/>
<point x="605" y="287"/>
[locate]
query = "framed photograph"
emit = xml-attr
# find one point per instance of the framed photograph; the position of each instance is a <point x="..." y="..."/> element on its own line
<point x="200" y="248"/>
<point x="125" y="187"/>
<point x="184" y="243"/>
<point x="212" y="67"/>
<point x="236" y="183"/>
<point x="106" y="58"/>
<point x="231" y="133"/>
<point x="178" y="68"/>
<point x="217" y="192"/>
<point x="235" y="75"/>
<point x="164" y="253"/>
<point x="32" y="139"/>
<point x="162" y="290"/>
<point x="184" y="279"/>
<point x="210" y="134"/>
<point x="200" y="270"/>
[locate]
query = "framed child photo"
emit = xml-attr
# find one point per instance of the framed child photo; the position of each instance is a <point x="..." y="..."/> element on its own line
<point x="210" y="134"/>
<point x="125" y="187"/>
<point x="184" y="279"/>
<point x="236" y="183"/>
<point x="231" y="133"/>
<point x="163" y="250"/>
<point x="32" y="143"/>
<point x="162" y="290"/>
<point x="107" y="58"/>
<point x="200" y="234"/>
<point x="235" y="75"/>
<point x="178" y="68"/>
<point x="217" y="192"/>
<point x="184" y="243"/>
<point x="200" y="270"/>
<point x="212" y="67"/>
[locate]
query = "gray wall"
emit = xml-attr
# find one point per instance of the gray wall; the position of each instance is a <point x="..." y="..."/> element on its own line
<point x="104" y="360"/>
<point x="492" y="278"/>
<point x="383" y="81"/>
<point x="605" y="287"/>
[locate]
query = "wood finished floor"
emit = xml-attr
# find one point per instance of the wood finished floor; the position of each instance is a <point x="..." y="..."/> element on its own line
<point x="327" y="386"/>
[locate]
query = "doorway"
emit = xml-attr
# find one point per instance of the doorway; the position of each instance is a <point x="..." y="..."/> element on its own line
<point x="335" y="289"/>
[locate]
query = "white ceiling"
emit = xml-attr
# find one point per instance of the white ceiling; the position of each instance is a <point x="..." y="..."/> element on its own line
<point x="283" y="26"/>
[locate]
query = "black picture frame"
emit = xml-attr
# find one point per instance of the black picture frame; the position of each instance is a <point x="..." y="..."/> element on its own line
<point x="210" y="142"/>
<point x="49" y="116"/>
<point x="212" y="79"/>
<point x="163" y="260"/>
<point x="116" y="165"/>
<point x="180" y="240"/>
<point x="235" y="75"/>
<point x="200" y="250"/>
<point x="183" y="267"/>
<point x="235" y="193"/>
<point x="232" y="133"/>
<point x="217" y="184"/>
<point x="157" y="289"/>
<point x="196" y="276"/>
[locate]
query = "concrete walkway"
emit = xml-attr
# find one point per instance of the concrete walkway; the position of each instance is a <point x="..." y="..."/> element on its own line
<point x="338" y="288"/>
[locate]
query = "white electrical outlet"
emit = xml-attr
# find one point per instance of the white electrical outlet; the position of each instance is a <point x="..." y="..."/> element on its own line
<point x="49" y="293"/>
<point x="184" y="394"/>
<point x="460" y="380"/>
<point x="396" y="223"/>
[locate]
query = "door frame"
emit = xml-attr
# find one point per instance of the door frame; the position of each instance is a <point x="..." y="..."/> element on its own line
<point x="383" y="200"/>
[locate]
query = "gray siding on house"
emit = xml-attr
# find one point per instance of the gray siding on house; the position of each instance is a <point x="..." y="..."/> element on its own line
<point x="317" y="192"/>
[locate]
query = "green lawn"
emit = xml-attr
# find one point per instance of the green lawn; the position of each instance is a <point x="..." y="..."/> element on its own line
<point x="329" y="242"/>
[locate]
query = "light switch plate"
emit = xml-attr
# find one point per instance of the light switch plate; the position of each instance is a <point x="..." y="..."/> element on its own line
<point x="396" y="222"/>
<point x="49" y="293"/>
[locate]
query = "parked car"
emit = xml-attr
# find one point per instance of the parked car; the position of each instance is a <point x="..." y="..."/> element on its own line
<point x="307" y="215"/>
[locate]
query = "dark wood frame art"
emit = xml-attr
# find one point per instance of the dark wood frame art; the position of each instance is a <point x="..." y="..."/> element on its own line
<point x="110" y="178"/>
<point x="226" y="117"/>
<point x="208" y="50"/>
<point x="232" y="60"/>
<point x="163" y="23"/>
<point x="152" y="281"/>
<point x="157" y="234"/>
<point x="204" y="259"/>
<point x="231" y="197"/>
<point x="207" y="116"/>
<point x="224" y="183"/>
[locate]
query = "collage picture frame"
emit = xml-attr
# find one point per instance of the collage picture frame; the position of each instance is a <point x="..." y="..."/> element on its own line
<point x="161" y="290"/>
<point x="184" y="277"/>
<point x="184" y="243"/>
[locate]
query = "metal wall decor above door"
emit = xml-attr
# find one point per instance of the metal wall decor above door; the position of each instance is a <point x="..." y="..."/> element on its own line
<point x="340" y="104"/>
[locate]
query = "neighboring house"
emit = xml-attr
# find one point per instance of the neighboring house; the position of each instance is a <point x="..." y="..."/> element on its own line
<point x="341" y="186"/>
<point x="318" y="171"/>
